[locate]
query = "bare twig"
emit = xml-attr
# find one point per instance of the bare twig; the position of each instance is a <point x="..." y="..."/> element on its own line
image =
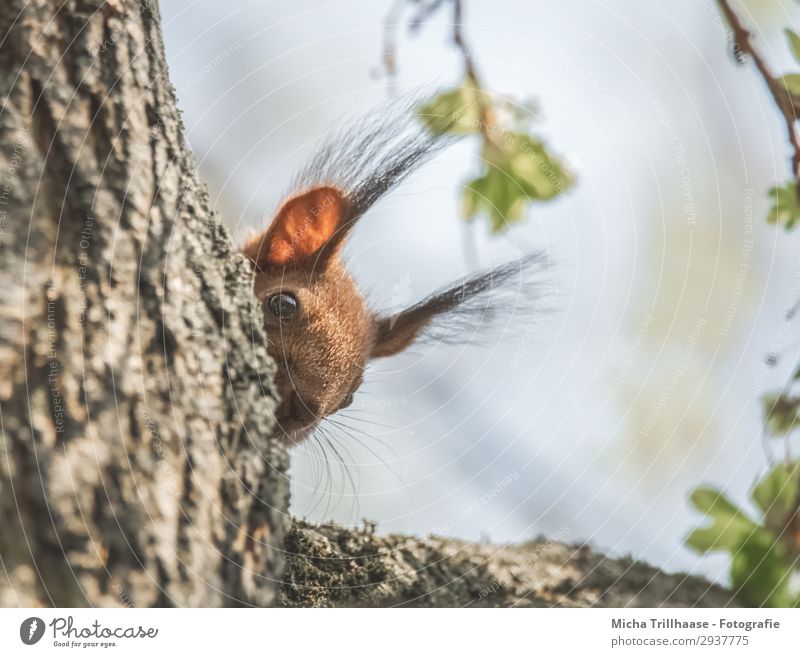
<point x="486" y="119"/>
<point x="424" y="13"/>
<point x="461" y="44"/>
<point x="390" y="39"/>
<point x="484" y="110"/>
<point x="786" y="102"/>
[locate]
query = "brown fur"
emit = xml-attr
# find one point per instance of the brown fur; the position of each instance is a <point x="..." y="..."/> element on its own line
<point x="322" y="353"/>
<point x="322" y="350"/>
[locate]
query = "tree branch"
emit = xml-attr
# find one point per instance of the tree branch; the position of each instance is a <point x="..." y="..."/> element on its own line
<point x="328" y="566"/>
<point x="486" y="118"/>
<point x="784" y="99"/>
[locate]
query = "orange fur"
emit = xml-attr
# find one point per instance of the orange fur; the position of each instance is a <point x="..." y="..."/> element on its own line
<point x="321" y="350"/>
<point x="303" y="225"/>
<point x="322" y="353"/>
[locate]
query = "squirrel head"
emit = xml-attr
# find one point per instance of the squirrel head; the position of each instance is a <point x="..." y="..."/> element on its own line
<point x="320" y="331"/>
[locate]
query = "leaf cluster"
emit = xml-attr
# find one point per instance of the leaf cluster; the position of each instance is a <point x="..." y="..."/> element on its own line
<point x="516" y="167"/>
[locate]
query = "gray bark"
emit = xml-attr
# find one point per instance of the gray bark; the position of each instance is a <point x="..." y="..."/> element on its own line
<point x="135" y="388"/>
<point x="136" y="465"/>
<point x="332" y="567"/>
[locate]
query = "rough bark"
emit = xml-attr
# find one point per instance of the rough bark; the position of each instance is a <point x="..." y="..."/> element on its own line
<point x="328" y="566"/>
<point x="135" y="388"/>
<point x="136" y="394"/>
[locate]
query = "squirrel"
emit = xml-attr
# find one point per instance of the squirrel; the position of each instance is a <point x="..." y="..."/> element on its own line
<point x="320" y="330"/>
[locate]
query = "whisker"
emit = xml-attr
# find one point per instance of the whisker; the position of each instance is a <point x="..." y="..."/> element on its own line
<point x="354" y="487"/>
<point x="369" y="436"/>
<point x="352" y="460"/>
<point x="366" y="446"/>
<point x="329" y="479"/>
<point x="316" y="461"/>
<point x="347" y="412"/>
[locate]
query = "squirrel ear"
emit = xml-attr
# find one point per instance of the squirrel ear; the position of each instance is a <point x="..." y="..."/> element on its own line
<point x="303" y="227"/>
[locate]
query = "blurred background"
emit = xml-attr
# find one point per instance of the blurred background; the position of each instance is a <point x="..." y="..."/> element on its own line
<point x="591" y="421"/>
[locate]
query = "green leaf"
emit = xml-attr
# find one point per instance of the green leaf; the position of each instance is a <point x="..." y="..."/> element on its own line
<point x="785" y="208"/>
<point x="761" y="572"/>
<point x="792" y="83"/>
<point x="763" y="566"/>
<point x="541" y="174"/>
<point x="456" y="112"/>
<point x="517" y="171"/>
<point x="712" y="502"/>
<point x="794" y="43"/>
<point x="729" y="527"/>
<point x="495" y="195"/>
<point x="781" y="414"/>
<point x="776" y="493"/>
<point x="517" y="168"/>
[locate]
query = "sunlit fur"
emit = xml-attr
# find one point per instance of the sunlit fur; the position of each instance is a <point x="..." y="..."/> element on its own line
<point x="322" y="352"/>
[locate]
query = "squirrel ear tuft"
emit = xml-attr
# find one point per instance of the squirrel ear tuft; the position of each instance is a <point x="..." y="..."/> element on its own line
<point x="392" y="337"/>
<point x="303" y="227"/>
<point x="454" y="314"/>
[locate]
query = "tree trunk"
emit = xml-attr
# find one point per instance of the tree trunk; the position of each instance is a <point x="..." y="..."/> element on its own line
<point x="135" y="389"/>
<point x="136" y="465"/>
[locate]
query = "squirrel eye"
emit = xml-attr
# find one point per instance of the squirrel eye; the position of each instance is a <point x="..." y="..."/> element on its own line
<point x="283" y="305"/>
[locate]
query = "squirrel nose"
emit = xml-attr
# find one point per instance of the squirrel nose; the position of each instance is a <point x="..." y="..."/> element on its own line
<point x="301" y="410"/>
